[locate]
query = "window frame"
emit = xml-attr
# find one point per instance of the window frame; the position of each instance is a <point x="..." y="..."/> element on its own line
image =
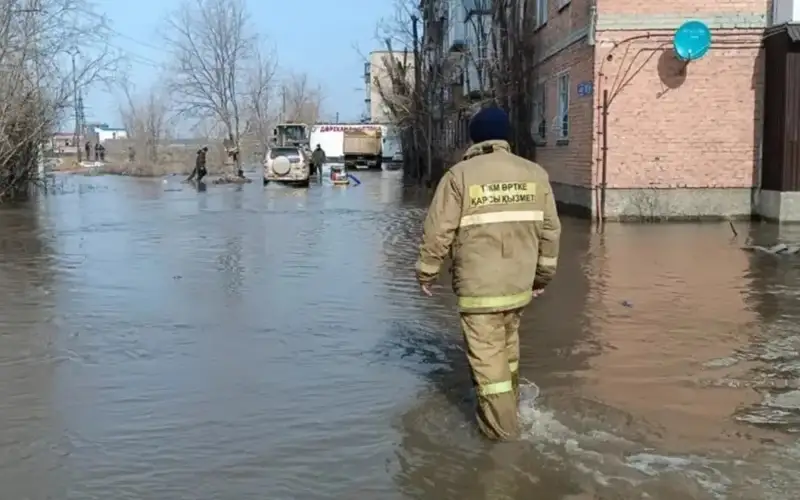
<point x="542" y="7"/>
<point x="539" y="113"/>
<point x="562" y="89"/>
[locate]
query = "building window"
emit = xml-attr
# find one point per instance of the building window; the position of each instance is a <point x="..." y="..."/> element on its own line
<point x="539" y="115"/>
<point x="563" y="105"/>
<point x="541" y="12"/>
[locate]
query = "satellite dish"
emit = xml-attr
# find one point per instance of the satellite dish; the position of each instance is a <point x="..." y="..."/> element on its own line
<point x="692" y="40"/>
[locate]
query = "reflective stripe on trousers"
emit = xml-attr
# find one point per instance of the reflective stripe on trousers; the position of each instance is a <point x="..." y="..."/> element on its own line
<point x="495" y="388"/>
<point x="493" y="353"/>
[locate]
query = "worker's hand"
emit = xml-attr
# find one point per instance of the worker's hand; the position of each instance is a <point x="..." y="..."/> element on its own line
<point x="426" y="289"/>
<point x="537" y="292"/>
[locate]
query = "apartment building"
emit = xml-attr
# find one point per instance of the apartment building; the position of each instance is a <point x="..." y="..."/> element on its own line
<point x="376" y="78"/>
<point x="629" y="131"/>
<point x="671" y="139"/>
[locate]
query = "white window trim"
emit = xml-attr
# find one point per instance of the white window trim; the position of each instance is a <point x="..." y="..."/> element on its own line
<point x="541" y="12"/>
<point x="561" y="112"/>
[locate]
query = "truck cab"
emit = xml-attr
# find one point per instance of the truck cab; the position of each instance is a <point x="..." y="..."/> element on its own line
<point x="290" y="134"/>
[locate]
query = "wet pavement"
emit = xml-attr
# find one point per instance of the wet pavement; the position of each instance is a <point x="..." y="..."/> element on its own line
<point x="246" y="343"/>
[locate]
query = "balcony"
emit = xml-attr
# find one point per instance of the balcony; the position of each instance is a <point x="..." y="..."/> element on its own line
<point x="785" y="11"/>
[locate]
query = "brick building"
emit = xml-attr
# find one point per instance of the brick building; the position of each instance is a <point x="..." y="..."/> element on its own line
<point x="677" y="140"/>
<point x="682" y="140"/>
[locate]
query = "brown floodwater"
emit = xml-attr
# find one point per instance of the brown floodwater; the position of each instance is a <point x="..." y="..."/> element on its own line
<point x="244" y="342"/>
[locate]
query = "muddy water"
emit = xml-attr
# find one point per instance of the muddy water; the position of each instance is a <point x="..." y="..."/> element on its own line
<point x="246" y="343"/>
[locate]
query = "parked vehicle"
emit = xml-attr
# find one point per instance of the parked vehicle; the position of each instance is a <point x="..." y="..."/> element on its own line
<point x="392" y="150"/>
<point x="287" y="164"/>
<point x="330" y="136"/>
<point x="362" y="148"/>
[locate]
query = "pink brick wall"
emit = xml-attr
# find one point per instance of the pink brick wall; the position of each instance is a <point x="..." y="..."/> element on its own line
<point x="570" y="163"/>
<point x="686" y="8"/>
<point x="665" y="130"/>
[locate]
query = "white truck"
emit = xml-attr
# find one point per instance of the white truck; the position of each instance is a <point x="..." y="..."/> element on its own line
<point x="330" y="137"/>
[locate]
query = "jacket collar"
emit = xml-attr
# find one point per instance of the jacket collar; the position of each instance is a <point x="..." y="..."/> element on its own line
<point x="486" y="147"/>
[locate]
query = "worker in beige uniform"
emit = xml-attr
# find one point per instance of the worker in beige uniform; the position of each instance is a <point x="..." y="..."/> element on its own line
<point x="495" y="214"/>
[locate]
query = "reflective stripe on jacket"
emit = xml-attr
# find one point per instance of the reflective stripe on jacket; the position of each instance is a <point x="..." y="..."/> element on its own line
<point x="495" y="214"/>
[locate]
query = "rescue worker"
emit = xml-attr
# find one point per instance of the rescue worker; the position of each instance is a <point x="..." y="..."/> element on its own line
<point x="88" y="148"/>
<point x="496" y="213"/>
<point x="317" y="159"/>
<point x="199" y="165"/>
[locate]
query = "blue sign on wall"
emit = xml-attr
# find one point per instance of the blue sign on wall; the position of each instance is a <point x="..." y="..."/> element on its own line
<point x="585" y="88"/>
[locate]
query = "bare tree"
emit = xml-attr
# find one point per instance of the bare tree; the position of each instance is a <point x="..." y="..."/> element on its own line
<point x="260" y="103"/>
<point x="493" y="65"/>
<point x="145" y="118"/>
<point x="211" y="44"/>
<point x="413" y="84"/>
<point x="38" y="82"/>
<point x="302" y="100"/>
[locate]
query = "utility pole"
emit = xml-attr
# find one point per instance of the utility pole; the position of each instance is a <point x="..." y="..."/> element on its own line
<point x="82" y="132"/>
<point x="283" y="103"/>
<point x="76" y="100"/>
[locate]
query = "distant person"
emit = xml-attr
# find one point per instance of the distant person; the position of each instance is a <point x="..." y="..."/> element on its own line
<point x="233" y="154"/>
<point x="97" y="152"/>
<point x="317" y="160"/>
<point x="102" y="151"/>
<point x="88" y="148"/>
<point x="199" y="170"/>
<point x="131" y="154"/>
<point x="495" y="214"/>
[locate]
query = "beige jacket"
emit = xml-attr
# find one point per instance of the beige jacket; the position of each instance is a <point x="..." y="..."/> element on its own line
<point x="495" y="214"/>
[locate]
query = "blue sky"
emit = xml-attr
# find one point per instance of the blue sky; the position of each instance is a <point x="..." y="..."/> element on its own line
<point x="318" y="37"/>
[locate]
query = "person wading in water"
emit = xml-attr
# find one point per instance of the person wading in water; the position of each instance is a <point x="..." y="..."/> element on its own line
<point x="199" y="165"/>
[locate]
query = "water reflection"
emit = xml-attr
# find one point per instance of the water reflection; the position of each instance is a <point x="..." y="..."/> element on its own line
<point x="666" y="311"/>
<point x="164" y="343"/>
<point x="770" y="363"/>
<point x="31" y="432"/>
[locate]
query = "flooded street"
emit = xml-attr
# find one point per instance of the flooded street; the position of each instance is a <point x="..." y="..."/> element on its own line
<point x="159" y="343"/>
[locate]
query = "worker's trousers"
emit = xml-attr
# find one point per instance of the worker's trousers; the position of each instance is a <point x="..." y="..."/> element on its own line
<point x="493" y="351"/>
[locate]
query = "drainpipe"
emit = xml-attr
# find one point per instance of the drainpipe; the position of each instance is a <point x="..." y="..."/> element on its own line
<point x="601" y="215"/>
<point x="591" y="40"/>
